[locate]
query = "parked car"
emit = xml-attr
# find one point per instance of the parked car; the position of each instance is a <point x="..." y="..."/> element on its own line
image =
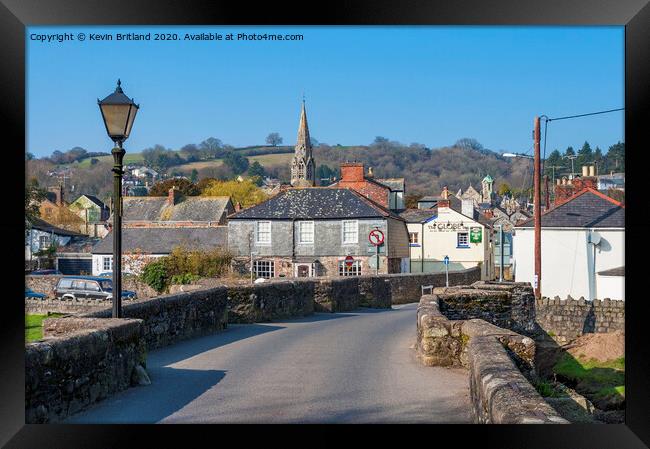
<point x="29" y="293"/>
<point x="44" y="272"/>
<point x="88" y="287"/>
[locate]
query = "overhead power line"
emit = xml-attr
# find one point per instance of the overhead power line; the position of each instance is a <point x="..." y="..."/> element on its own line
<point x="584" y="115"/>
<point x="547" y="119"/>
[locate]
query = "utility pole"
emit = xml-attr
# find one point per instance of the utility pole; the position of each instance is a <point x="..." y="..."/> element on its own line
<point x="537" y="194"/>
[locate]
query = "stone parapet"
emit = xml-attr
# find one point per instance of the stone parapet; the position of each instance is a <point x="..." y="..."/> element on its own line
<point x="170" y="318"/>
<point x="81" y="361"/>
<point x="496" y="359"/>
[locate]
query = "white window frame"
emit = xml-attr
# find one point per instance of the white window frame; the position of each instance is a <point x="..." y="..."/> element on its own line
<point x="356" y="233"/>
<point x="44" y="241"/>
<point x="354" y="270"/>
<point x="264" y="268"/>
<point x="417" y="238"/>
<point x="458" y="244"/>
<point x="300" y="233"/>
<point x="108" y="259"/>
<point x="257" y="233"/>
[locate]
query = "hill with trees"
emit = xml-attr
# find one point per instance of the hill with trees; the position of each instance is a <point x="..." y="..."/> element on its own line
<point x="425" y="170"/>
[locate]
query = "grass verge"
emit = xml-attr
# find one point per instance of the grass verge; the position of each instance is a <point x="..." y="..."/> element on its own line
<point x="34" y="326"/>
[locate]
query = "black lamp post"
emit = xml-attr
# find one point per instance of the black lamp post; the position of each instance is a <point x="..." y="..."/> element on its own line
<point x="118" y="112"/>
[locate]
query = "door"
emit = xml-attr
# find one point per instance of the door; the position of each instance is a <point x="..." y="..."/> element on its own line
<point x="303" y="271"/>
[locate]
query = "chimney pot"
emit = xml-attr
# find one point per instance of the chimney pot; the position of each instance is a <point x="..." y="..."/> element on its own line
<point x="585" y="170"/>
<point x="592" y="170"/>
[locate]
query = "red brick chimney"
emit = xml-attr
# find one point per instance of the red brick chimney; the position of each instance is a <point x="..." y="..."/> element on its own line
<point x="173" y="196"/>
<point x="352" y="172"/>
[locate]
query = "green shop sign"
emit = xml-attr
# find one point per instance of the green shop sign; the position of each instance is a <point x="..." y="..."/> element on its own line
<point x="475" y="235"/>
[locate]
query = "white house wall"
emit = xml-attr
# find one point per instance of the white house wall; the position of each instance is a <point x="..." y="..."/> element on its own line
<point x="437" y="243"/>
<point x="612" y="287"/>
<point x="567" y="260"/>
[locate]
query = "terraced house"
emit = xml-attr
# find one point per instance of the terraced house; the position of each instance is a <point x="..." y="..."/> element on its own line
<point x="154" y="226"/>
<point x="310" y="232"/>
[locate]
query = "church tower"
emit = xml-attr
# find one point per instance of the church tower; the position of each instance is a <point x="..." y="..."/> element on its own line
<point x="303" y="169"/>
<point x="487" y="185"/>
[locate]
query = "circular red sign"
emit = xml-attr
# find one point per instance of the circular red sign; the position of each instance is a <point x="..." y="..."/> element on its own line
<point x="376" y="237"/>
<point x="349" y="261"/>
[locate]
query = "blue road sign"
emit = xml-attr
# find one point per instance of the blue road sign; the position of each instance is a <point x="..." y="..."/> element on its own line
<point x="446" y="260"/>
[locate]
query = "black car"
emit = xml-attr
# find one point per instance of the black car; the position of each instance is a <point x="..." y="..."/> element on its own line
<point x="88" y="287"/>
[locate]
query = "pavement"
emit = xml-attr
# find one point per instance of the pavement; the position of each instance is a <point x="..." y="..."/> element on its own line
<point x="356" y="367"/>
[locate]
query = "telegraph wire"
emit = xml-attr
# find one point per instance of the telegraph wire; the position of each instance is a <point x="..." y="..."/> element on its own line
<point x="547" y="119"/>
<point x="583" y="115"/>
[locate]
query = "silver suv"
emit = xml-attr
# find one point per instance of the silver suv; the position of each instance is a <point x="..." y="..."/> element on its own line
<point x="88" y="287"/>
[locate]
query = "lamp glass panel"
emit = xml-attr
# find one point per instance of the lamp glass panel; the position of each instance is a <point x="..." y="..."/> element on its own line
<point x="129" y="125"/>
<point x="115" y="117"/>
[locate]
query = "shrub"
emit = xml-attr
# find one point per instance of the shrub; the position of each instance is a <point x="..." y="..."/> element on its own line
<point x="155" y="275"/>
<point x="184" y="266"/>
<point x="185" y="278"/>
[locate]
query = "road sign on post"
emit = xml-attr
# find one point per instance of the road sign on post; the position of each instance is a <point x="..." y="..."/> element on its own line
<point x="446" y="262"/>
<point x="349" y="261"/>
<point x="376" y="237"/>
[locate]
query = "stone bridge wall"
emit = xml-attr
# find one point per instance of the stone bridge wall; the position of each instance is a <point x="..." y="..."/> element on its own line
<point x="496" y="357"/>
<point x="407" y="287"/>
<point x="567" y="319"/>
<point x="509" y="305"/>
<point x="81" y="361"/>
<point x="170" y="318"/>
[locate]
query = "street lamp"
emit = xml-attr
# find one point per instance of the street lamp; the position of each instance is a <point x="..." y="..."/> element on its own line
<point x="118" y="112"/>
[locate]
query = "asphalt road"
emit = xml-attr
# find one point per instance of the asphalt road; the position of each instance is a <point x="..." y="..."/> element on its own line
<point x="356" y="367"/>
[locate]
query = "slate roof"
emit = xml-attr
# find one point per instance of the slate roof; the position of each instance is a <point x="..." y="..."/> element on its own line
<point x="395" y="184"/>
<point x="418" y="215"/>
<point x="44" y="226"/>
<point x="618" y="271"/>
<point x="191" y="208"/>
<point x="163" y="240"/>
<point x="95" y="200"/>
<point x="315" y="203"/>
<point x="586" y="209"/>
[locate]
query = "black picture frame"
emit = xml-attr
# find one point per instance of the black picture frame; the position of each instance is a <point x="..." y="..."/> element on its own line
<point x="15" y="15"/>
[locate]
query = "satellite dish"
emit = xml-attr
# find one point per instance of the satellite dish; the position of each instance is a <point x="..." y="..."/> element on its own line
<point x="594" y="238"/>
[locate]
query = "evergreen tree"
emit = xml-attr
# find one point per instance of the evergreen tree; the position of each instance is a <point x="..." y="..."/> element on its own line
<point x="585" y="155"/>
<point x="256" y="171"/>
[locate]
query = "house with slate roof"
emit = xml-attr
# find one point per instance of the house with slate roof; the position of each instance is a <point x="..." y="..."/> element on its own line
<point x="153" y="226"/>
<point x="309" y="232"/>
<point x="40" y="235"/>
<point x="454" y="228"/>
<point x="582" y="235"/>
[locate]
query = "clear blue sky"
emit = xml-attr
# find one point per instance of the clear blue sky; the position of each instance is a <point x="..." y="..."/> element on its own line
<point x="426" y="84"/>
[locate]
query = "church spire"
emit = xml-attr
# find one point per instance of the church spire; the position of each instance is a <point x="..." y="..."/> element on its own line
<point x="303" y="142"/>
<point x="303" y="169"/>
